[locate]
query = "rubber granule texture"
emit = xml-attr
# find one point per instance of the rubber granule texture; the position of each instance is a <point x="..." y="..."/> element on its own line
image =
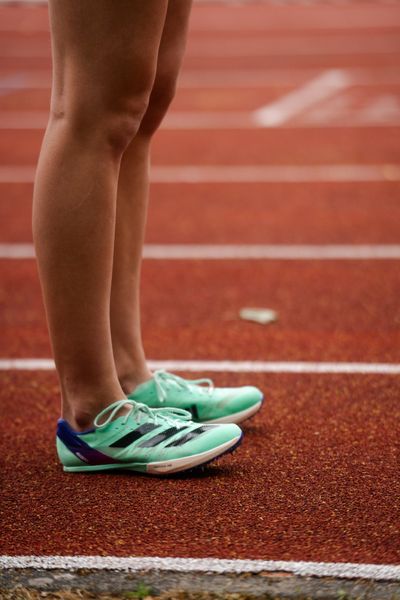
<point x="327" y="310"/>
<point x="315" y="479"/>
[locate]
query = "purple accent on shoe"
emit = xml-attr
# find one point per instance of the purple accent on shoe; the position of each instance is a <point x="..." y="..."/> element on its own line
<point x="73" y="441"/>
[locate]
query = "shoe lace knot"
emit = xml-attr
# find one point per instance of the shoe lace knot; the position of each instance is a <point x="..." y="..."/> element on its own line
<point x="139" y="412"/>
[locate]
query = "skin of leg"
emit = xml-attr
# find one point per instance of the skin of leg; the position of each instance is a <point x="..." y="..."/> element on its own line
<point x="104" y="65"/>
<point x="133" y="188"/>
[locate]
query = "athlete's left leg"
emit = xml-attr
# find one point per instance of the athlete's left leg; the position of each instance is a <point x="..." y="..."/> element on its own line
<point x="132" y="205"/>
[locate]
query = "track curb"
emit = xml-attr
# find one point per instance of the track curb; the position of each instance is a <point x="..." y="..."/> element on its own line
<point x="199" y="586"/>
<point x="251" y="578"/>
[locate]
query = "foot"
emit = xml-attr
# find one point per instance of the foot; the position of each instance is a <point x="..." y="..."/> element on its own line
<point x="206" y="403"/>
<point x="160" y="441"/>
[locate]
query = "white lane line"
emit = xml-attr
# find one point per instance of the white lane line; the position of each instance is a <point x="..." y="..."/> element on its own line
<point x="385" y="109"/>
<point x="236" y="78"/>
<point x="235" y="21"/>
<point x="271" y="252"/>
<point x="175" y="120"/>
<point x="383" y="113"/>
<point x="322" y="87"/>
<point x="228" y="366"/>
<point x="202" y="565"/>
<point x="33" y="79"/>
<point x="255" y="45"/>
<point x="17" y="251"/>
<point x="12" y="82"/>
<point x="242" y="173"/>
<point x="272" y="173"/>
<point x="17" y="174"/>
<point x="329" y="113"/>
<point x="242" y="252"/>
<point x="295" y="44"/>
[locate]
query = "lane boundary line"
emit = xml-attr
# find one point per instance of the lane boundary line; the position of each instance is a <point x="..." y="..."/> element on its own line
<point x="36" y="78"/>
<point x="241" y="251"/>
<point x="202" y="565"/>
<point x="231" y="366"/>
<point x="213" y="120"/>
<point x="243" y="173"/>
<point x="325" y="85"/>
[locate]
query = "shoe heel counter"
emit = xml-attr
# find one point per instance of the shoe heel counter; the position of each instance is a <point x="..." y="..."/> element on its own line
<point x="66" y="457"/>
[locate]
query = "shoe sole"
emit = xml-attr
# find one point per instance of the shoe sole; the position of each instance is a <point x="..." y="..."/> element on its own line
<point x="239" y="416"/>
<point x="167" y="467"/>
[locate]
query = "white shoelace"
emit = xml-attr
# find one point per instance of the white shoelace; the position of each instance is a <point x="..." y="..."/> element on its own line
<point x="137" y="410"/>
<point x="164" y="381"/>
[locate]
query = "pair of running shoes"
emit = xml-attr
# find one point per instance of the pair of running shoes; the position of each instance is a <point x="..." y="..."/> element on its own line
<point x="167" y="425"/>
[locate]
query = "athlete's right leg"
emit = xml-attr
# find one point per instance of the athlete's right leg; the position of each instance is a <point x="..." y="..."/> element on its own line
<point x="104" y="63"/>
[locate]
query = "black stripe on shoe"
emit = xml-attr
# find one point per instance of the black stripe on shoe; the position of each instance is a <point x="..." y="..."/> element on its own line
<point x="134" y="435"/>
<point x="163" y="435"/>
<point x="189" y="436"/>
<point x="194" y="412"/>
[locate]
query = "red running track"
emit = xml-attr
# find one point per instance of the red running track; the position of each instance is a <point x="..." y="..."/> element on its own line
<point x="369" y="145"/>
<point x="328" y="310"/>
<point x="315" y="479"/>
<point x="317" y="476"/>
<point x="274" y="213"/>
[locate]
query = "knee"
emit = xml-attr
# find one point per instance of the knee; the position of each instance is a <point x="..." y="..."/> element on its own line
<point x="107" y="118"/>
<point x="162" y="94"/>
<point x="121" y="122"/>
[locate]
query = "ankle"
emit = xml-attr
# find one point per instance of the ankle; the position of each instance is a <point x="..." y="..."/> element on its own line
<point x="82" y="404"/>
<point x="80" y="420"/>
<point x="130" y="381"/>
<point x="132" y="372"/>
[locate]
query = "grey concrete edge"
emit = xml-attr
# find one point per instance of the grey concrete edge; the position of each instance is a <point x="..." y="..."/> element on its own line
<point x="252" y="586"/>
<point x="373" y="572"/>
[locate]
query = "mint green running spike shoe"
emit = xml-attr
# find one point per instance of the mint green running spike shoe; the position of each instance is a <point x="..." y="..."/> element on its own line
<point x="160" y="441"/>
<point x="206" y="403"/>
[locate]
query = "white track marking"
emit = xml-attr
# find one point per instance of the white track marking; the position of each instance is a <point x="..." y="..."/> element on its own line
<point x="236" y="78"/>
<point x="228" y="366"/>
<point x="271" y="252"/>
<point x="203" y="565"/>
<point x="17" y="174"/>
<point x="253" y="45"/>
<point x="322" y="87"/>
<point x="273" y="173"/>
<point x="14" y="120"/>
<point x="17" y="251"/>
<point x="326" y="114"/>
<point x="12" y="82"/>
<point x="208" y="120"/>
<point x="382" y="113"/>
<point x="346" y="43"/>
<point x="257" y="23"/>
<point x="285" y="76"/>
<point x="243" y="173"/>
<point x="384" y="110"/>
<point x="242" y="252"/>
<point x="33" y="79"/>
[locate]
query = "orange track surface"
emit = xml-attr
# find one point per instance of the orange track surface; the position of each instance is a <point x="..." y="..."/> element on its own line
<point x="317" y="476"/>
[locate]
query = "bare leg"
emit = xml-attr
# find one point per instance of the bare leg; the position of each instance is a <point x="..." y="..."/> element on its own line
<point x="104" y="64"/>
<point x="132" y="205"/>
